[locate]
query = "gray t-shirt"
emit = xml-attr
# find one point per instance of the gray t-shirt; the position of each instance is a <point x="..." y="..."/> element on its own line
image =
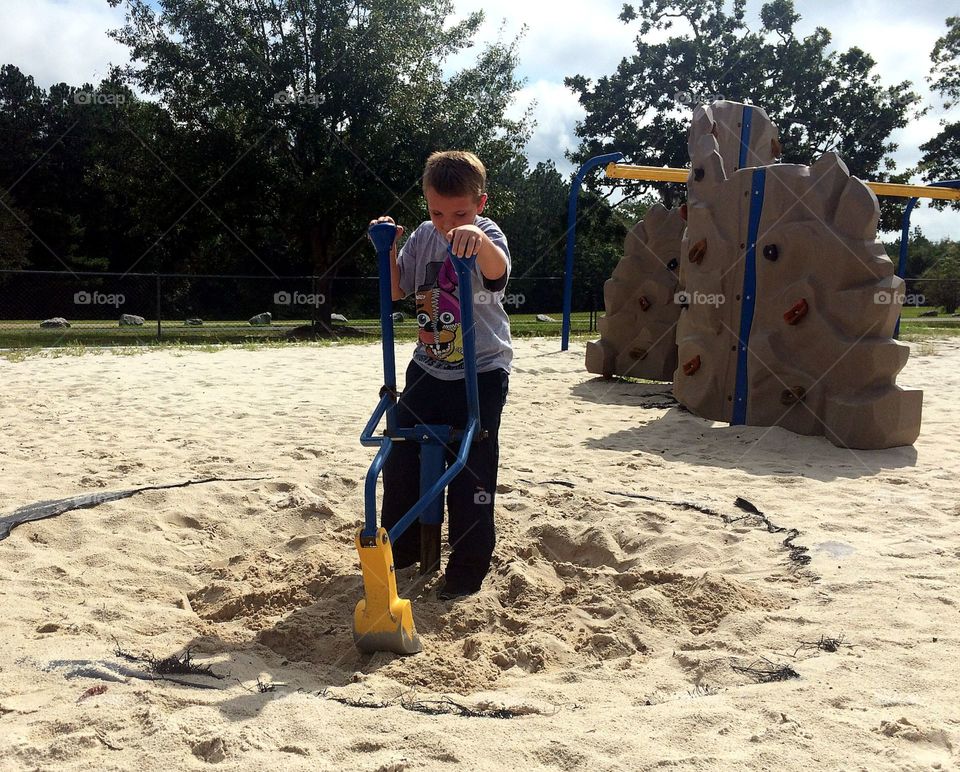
<point x="425" y="269"/>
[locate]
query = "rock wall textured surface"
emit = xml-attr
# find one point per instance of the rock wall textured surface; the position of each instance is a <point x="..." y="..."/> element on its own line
<point x="808" y="299"/>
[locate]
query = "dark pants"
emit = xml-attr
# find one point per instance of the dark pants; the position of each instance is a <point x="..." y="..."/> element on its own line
<point x="470" y="496"/>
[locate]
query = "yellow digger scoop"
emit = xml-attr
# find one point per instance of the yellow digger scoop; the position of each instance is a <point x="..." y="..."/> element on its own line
<point x="382" y="621"/>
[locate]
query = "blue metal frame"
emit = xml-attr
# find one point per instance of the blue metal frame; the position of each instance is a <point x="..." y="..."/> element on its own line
<point x="746" y="124"/>
<point x="748" y="299"/>
<point x="434" y="439"/>
<point x="593" y="163"/>
<point x="905" y="235"/>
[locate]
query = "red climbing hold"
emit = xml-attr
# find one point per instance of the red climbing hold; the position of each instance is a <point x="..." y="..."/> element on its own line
<point x="692" y="366"/>
<point x="683" y="211"/>
<point x="796" y="313"/>
<point x="644" y="303"/>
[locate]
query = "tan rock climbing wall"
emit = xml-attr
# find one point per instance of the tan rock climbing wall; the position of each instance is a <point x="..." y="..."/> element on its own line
<point x="638" y="336"/>
<point x="637" y="332"/>
<point x="745" y="135"/>
<point x="792" y="304"/>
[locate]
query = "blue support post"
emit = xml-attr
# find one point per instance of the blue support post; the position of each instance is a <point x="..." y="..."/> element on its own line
<point x="749" y="299"/>
<point x="593" y="163"/>
<point x="905" y="235"/>
<point x="746" y="125"/>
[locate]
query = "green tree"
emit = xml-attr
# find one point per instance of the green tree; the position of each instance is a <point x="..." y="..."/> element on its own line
<point x="14" y="239"/>
<point x="941" y="155"/>
<point x="331" y="107"/>
<point x="943" y="285"/>
<point x="921" y="253"/>
<point x="820" y="99"/>
<point x="536" y="227"/>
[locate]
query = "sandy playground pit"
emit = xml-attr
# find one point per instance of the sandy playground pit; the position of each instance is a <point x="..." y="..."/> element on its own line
<point x="629" y="599"/>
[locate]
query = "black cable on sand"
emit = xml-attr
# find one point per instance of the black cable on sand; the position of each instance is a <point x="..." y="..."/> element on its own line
<point x="798" y="553"/>
<point x="44" y="509"/>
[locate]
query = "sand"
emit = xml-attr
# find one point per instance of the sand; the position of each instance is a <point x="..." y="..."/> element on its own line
<point x="609" y="629"/>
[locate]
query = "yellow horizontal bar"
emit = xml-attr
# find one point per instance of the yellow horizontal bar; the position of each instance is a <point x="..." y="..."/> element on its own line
<point x="666" y="174"/>
<point x="649" y="173"/>
<point x="913" y="191"/>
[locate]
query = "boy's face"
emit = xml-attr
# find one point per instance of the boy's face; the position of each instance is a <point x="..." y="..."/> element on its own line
<point x="449" y="212"/>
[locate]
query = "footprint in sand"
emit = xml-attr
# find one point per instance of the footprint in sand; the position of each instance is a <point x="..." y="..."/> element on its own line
<point x="182" y="521"/>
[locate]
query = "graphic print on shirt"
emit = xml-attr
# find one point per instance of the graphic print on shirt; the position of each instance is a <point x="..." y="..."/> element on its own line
<point x="438" y="314"/>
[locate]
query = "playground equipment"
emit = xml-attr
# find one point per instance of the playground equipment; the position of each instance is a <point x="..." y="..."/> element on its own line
<point x="641" y="299"/>
<point x="805" y="302"/>
<point x="839" y="350"/>
<point x="637" y="336"/>
<point x="383" y="621"/>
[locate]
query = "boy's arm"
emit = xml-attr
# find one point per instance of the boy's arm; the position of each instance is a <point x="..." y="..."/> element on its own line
<point x="396" y="292"/>
<point x="469" y="240"/>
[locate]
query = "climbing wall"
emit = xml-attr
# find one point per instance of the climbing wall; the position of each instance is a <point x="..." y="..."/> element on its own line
<point x="638" y="330"/>
<point x="744" y="134"/>
<point x="638" y="336"/>
<point x="792" y="303"/>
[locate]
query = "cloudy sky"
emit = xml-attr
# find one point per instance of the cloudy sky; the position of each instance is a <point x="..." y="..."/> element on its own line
<point x="65" y="40"/>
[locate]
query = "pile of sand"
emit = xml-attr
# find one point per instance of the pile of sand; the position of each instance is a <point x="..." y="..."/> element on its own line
<point x="627" y="596"/>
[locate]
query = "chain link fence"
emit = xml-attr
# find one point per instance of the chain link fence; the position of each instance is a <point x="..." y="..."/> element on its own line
<point x="54" y="308"/>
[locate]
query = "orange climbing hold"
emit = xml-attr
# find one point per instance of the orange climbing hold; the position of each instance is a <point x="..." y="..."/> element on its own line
<point x="698" y="251"/>
<point x="796" y="313"/>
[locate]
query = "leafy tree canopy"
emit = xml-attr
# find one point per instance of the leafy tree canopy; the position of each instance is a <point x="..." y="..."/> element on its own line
<point x="941" y="155"/>
<point x="331" y="107"/>
<point x="819" y="98"/>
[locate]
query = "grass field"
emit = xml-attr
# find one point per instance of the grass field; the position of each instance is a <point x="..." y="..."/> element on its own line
<point x="24" y="334"/>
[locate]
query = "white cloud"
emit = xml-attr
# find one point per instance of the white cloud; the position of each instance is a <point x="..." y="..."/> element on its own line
<point x="65" y="40"/>
<point x="588" y="39"/>
<point x="61" y="40"/>
<point x="562" y="38"/>
<point x="557" y="111"/>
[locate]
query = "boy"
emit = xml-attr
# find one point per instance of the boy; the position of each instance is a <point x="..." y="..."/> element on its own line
<point x="454" y="185"/>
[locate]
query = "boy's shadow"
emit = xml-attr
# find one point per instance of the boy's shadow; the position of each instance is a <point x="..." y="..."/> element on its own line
<point x="679" y="436"/>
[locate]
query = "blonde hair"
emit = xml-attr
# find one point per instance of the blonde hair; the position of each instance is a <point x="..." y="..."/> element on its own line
<point x="455" y="173"/>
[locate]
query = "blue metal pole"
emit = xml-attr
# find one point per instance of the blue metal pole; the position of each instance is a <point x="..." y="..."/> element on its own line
<point x="746" y="125"/>
<point x="904" y="248"/>
<point x="464" y="268"/>
<point x="383" y="235"/>
<point x="593" y="163"/>
<point x="905" y="236"/>
<point x="452" y="471"/>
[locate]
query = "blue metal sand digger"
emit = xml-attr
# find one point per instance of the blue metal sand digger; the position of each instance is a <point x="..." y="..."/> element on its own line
<point x="383" y="621"/>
